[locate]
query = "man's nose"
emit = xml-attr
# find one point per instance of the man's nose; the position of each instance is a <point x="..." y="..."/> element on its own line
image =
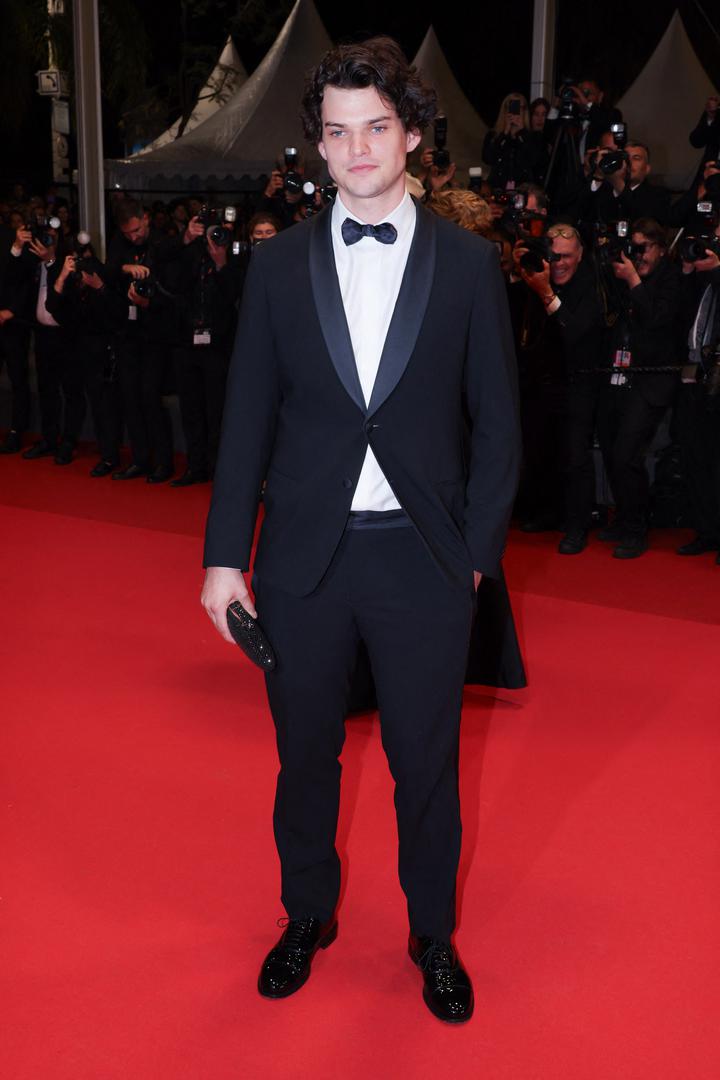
<point x="358" y="144"/>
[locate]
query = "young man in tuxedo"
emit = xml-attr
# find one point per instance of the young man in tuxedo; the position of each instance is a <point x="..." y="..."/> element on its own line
<point x="367" y="335"/>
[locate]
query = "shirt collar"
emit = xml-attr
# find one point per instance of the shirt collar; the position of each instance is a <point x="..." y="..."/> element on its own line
<point x="402" y="217"/>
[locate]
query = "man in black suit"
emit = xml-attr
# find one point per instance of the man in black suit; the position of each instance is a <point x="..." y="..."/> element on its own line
<point x="644" y="349"/>
<point x="366" y="335"/>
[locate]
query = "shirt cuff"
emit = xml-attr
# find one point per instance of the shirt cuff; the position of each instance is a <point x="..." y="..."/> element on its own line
<point x="553" y="305"/>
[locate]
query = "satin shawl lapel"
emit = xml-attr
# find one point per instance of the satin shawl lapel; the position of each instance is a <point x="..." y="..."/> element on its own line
<point x="409" y="310"/>
<point x="329" y="304"/>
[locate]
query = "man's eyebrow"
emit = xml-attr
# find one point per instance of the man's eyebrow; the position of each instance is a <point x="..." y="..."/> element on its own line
<point x="367" y="123"/>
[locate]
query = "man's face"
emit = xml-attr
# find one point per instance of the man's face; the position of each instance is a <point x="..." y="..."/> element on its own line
<point x="569" y="251"/>
<point x="364" y="143"/>
<point x="532" y="205"/>
<point x="590" y="91"/>
<point x="650" y="259"/>
<point x="264" y="230"/>
<point x="639" y="164"/>
<point x="136" y="230"/>
<point x="607" y="141"/>
<point x="538" y="118"/>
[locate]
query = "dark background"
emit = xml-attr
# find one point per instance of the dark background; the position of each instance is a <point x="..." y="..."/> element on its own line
<point x="488" y="47"/>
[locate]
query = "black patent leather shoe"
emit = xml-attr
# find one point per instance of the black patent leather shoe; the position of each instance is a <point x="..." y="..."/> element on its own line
<point x="159" y="475"/>
<point x="698" y="546"/>
<point x="132" y="472"/>
<point x="64" y="454"/>
<point x="39" y="449"/>
<point x="12" y="443"/>
<point x="447" y="989"/>
<point x="631" y="546"/>
<point x="573" y="542"/>
<point x="189" y="477"/>
<point x="287" y="966"/>
<point x="103" y="468"/>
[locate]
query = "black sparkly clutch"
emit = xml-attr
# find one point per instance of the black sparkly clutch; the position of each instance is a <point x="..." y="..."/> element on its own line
<point x="250" y="636"/>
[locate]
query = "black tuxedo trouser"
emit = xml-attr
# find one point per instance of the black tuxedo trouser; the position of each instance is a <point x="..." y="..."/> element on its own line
<point x="381" y="588"/>
<point x="699" y="435"/>
<point x="14" y="346"/>
<point x="201" y="378"/>
<point x="103" y="390"/>
<point x="60" y="382"/>
<point x="142" y="376"/>
<point x="627" y="423"/>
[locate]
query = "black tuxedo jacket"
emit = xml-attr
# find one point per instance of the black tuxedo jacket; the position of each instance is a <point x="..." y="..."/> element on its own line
<point x="295" y="412"/>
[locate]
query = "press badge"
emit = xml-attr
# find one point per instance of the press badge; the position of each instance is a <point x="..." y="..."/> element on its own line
<point x="201" y="337"/>
<point x="132" y="313"/>
<point x="623" y="360"/>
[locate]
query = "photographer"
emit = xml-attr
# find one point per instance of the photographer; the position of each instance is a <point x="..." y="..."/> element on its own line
<point x="644" y="350"/>
<point x="37" y="256"/>
<point x="14" y="343"/>
<point x="624" y="193"/>
<point x="283" y="191"/>
<point x="141" y="266"/>
<point x="559" y="417"/>
<point x="510" y="149"/>
<point x="590" y="115"/>
<point x="209" y="288"/>
<point x="706" y="136"/>
<point x="81" y="303"/>
<point x="698" y="408"/>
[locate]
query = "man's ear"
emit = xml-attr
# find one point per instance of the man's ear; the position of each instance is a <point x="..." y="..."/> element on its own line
<point x="412" y="139"/>
<point x="321" y="148"/>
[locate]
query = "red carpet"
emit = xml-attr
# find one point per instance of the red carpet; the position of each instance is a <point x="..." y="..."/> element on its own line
<point x="139" y="878"/>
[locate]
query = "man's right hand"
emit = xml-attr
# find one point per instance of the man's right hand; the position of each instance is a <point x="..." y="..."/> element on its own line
<point x="222" y="586"/>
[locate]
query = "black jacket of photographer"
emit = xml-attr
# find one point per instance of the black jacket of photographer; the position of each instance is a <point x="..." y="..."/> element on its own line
<point x="646" y="200"/>
<point x="567" y="347"/>
<point x="161" y="254"/>
<point x="513" y="159"/>
<point x="651" y="323"/>
<point x="92" y="314"/>
<point x="706" y="137"/>
<point x="209" y="297"/>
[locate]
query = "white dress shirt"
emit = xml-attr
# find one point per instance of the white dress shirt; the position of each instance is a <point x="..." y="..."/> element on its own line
<point x="370" y="275"/>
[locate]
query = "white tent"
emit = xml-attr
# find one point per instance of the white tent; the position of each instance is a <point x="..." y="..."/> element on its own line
<point x="227" y="76"/>
<point x="247" y="135"/>
<point x="466" y="131"/>
<point x="664" y="104"/>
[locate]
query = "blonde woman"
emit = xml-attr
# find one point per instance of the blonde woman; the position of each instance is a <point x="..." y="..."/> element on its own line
<point x="510" y="148"/>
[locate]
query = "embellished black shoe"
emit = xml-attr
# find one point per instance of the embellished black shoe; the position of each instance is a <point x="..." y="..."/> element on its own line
<point x="447" y="992"/>
<point x="287" y="966"/>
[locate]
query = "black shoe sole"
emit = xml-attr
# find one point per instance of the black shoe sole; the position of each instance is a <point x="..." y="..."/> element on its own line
<point x="322" y="943"/>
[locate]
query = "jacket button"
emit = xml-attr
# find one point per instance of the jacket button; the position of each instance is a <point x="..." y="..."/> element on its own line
<point x="347" y="483"/>
<point x="370" y="427"/>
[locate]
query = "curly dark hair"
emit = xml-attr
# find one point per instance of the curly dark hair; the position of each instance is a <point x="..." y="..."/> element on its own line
<point x="377" y="62"/>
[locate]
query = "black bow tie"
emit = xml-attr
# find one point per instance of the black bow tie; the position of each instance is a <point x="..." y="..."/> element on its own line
<point x="352" y="231"/>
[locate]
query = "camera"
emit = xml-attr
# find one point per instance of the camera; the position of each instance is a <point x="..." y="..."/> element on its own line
<point x="145" y="287"/>
<point x="328" y="192"/>
<point x="514" y="107"/>
<point x="694" y="244"/>
<point x="309" y="206"/>
<point x="614" y="241"/>
<point x="292" y="181"/>
<point x="614" y="160"/>
<point x="214" y="221"/>
<point x="40" y="231"/>
<point x="568" y="109"/>
<point x="441" y="155"/>
<point x="539" y="250"/>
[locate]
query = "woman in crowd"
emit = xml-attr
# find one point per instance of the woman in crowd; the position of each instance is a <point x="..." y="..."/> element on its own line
<point x="511" y="149"/>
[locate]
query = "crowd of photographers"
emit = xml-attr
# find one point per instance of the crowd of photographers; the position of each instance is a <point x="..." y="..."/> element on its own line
<point x="612" y="281"/>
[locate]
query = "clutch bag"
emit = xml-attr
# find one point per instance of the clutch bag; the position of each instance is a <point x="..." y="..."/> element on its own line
<point x="249" y="635"/>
